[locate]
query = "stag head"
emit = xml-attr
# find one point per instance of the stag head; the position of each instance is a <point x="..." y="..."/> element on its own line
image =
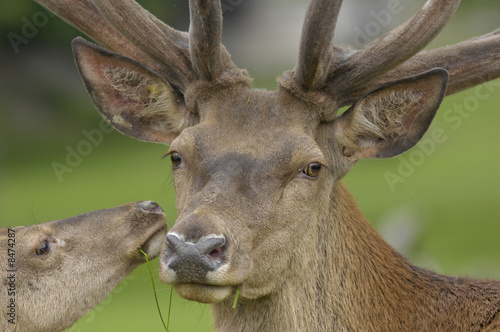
<point x="255" y="171"/>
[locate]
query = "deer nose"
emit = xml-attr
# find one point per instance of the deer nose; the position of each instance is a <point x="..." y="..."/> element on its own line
<point x="192" y="261"/>
<point x="150" y="207"/>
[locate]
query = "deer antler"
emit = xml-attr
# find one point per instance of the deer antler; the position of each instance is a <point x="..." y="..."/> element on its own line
<point x="316" y="53"/>
<point x="395" y="47"/>
<point x="130" y="30"/>
<point x="165" y="45"/>
<point x="345" y="75"/>
<point x="209" y="58"/>
<point x="469" y="63"/>
<point x="85" y="16"/>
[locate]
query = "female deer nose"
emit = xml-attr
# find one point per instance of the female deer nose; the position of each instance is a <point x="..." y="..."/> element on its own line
<point x="192" y="261"/>
<point x="150" y="207"/>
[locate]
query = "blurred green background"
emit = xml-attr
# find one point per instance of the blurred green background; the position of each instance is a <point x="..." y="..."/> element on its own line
<point x="440" y="206"/>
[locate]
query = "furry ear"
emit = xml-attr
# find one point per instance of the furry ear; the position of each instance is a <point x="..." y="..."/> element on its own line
<point x="133" y="99"/>
<point x="391" y="119"/>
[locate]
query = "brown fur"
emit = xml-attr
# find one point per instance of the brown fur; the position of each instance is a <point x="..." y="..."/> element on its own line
<point x="368" y="287"/>
<point x="88" y="256"/>
<point x="294" y="241"/>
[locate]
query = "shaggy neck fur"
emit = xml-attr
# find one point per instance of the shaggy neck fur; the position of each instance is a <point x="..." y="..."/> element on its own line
<point x="357" y="282"/>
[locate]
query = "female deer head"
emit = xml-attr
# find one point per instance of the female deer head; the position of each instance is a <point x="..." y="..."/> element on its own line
<point x="57" y="271"/>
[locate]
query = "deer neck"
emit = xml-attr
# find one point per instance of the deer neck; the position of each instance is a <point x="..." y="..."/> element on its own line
<point x="354" y="282"/>
<point x="347" y="267"/>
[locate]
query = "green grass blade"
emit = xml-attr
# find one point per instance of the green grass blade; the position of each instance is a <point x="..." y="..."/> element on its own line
<point x="236" y="297"/>
<point x="156" y="297"/>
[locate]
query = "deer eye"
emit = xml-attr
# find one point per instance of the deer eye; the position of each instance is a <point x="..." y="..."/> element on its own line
<point x="312" y="170"/>
<point x="43" y="248"/>
<point x="176" y="159"/>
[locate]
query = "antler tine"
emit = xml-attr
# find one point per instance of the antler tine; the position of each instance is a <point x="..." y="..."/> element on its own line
<point x="163" y="43"/>
<point x="205" y="39"/>
<point x="469" y="63"/>
<point x="316" y="52"/>
<point x="395" y="47"/>
<point x="85" y="16"/>
<point x="479" y="61"/>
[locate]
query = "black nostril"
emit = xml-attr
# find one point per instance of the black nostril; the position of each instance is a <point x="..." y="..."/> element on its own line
<point x="217" y="253"/>
<point x="150" y="207"/>
<point x="211" y="245"/>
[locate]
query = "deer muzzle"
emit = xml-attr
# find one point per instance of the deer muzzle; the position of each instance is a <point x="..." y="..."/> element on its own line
<point x="191" y="262"/>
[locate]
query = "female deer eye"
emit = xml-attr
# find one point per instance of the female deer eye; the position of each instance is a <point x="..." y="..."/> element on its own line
<point x="43" y="248"/>
<point x="176" y="159"/>
<point x="312" y="170"/>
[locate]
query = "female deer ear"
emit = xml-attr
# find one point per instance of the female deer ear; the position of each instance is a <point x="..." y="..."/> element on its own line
<point x="391" y="119"/>
<point x="133" y="99"/>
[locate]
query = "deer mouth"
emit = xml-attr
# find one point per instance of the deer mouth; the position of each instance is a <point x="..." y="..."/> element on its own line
<point x="215" y="286"/>
<point x="204" y="293"/>
<point x="152" y="246"/>
<point x="202" y="270"/>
